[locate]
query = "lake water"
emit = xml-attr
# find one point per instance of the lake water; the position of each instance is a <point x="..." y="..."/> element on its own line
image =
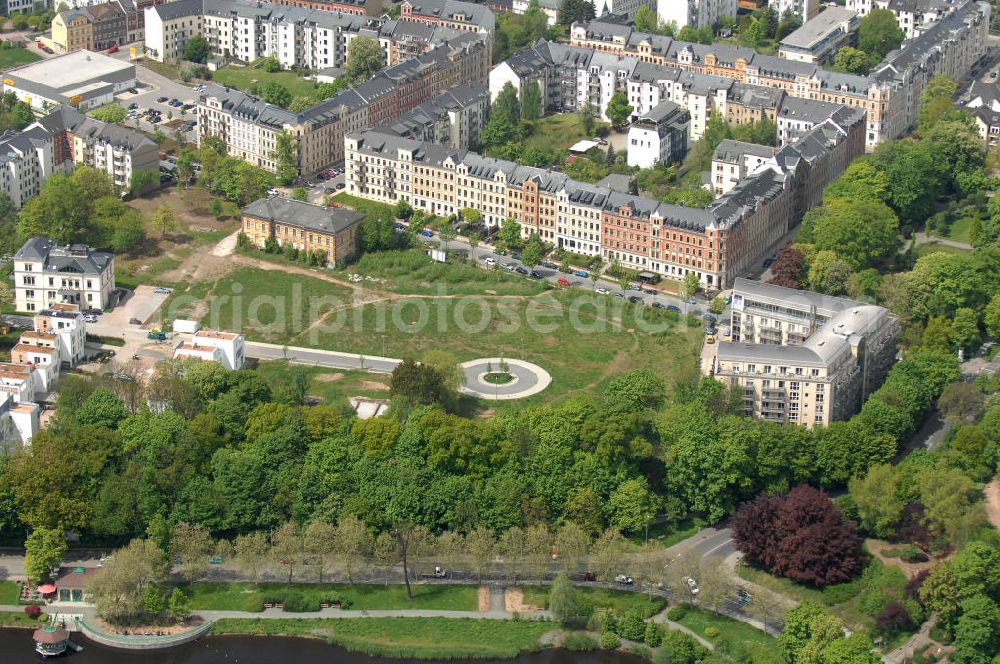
<point x="16" y="647"/>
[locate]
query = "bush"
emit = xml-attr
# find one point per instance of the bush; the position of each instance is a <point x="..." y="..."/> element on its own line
<point x="610" y="641"/>
<point x="653" y="636"/>
<point x="912" y="554"/>
<point x="678" y="612"/>
<point x="631" y="627"/>
<point x="839" y="593"/>
<point x="712" y="632"/>
<point x="298" y="603"/>
<point x="579" y="642"/>
<point x="893" y="619"/>
<point x="33" y="611"/>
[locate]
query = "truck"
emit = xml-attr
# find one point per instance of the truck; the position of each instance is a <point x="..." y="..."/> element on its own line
<point x="156" y="335"/>
<point x="186" y="326"/>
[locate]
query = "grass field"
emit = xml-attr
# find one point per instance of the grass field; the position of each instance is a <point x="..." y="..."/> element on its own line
<point x="423" y="638"/>
<point x="619" y="601"/>
<point x="557" y="132"/>
<point x="581" y="338"/>
<point x="8" y="592"/>
<point x="331" y="386"/>
<point x="667" y="534"/>
<point x="413" y="272"/>
<point x="934" y="247"/>
<point x="14" y="57"/>
<point x="243" y="78"/>
<point x="830" y="597"/>
<point x="18" y="620"/>
<point x="359" y="204"/>
<point x="756" y="646"/>
<point x="234" y="596"/>
<point x="961" y="229"/>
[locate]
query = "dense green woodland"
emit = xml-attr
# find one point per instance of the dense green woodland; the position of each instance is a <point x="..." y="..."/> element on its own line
<point x="236" y="454"/>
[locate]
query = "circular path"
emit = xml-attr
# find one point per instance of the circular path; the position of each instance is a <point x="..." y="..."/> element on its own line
<point x="528" y="379"/>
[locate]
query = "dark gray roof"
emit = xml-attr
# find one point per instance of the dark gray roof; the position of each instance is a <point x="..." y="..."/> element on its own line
<point x="72" y="258"/>
<point x="306" y="215"/>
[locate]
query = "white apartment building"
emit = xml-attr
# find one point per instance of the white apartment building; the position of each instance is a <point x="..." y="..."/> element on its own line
<point x="18" y="421"/>
<point x="25" y="163"/>
<point x="659" y="136"/>
<point x="578" y="221"/>
<point x="804" y="9"/>
<point x="46" y="274"/>
<point x="802" y="357"/>
<point x="733" y="161"/>
<point x="20" y="382"/>
<point x="695" y="13"/>
<point x="226" y="348"/>
<point x="66" y="322"/>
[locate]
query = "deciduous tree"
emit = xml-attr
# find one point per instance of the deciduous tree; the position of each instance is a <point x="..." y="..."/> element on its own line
<point x="43" y="551"/>
<point x="365" y="58"/>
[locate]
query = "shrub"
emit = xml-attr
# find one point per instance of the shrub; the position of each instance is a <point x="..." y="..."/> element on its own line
<point x="579" y="642"/>
<point x="631" y="627"/>
<point x="32" y="611"/>
<point x="653" y="636"/>
<point x="42" y="618"/>
<point x="678" y="612"/>
<point x="298" y="603"/>
<point x="610" y="641"/>
<point x="893" y="619"/>
<point x="711" y="632"/>
<point x="912" y="554"/>
<point x="839" y="593"/>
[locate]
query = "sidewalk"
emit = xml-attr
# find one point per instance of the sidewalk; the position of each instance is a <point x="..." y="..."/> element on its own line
<point x="279" y="614"/>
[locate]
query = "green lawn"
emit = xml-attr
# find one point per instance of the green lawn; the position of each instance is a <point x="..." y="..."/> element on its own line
<point x="413" y="272"/>
<point x="667" y="534"/>
<point x="8" y="592"/>
<point x="961" y="229"/>
<point x="331" y="386"/>
<point x="557" y="132"/>
<point x="15" y="57"/>
<point x="755" y="645"/>
<point x="10" y="619"/>
<point x="243" y="78"/>
<point x="423" y="638"/>
<point x="619" y="601"/>
<point x="236" y="596"/>
<point x="933" y="247"/>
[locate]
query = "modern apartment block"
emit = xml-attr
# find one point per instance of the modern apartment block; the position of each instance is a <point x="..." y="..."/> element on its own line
<point x="226" y="348"/>
<point x="890" y="94"/>
<point x="802" y="357"/>
<point x="64" y="138"/>
<point x="250" y="126"/>
<point x="695" y="13"/>
<point x="819" y="38"/>
<point x="305" y="226"/>
<point x="716" y="244"/>
<point x="305" y="35"/>
<point x="47" y="274"/>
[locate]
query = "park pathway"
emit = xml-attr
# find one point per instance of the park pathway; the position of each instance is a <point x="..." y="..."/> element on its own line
<point x="662" y="619"/>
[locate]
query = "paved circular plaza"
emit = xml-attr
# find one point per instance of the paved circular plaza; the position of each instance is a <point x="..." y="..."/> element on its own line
<point x="526" y="379"/>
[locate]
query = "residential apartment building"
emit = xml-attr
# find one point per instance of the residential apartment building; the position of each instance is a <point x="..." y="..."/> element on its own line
<point x="226" y="348"/>
<point x="733" y="161"/>
<point x="797" y="116"/>
<point x="802" y="357"/>
<point x="304" y="35"/>
<point x="549" y="7"/>
<point x="819" y="38"/>
<point x="913" y="16"/>
<point x="804" y="9"/>
<point x="449" y="13"/>
<point x="65" y="323"/>
<point x="72" y="30"/>
<point x="307" y="227"/>
<point x="454" y="118"/>
<point x="716" y="243"/>
<point x="573" y="77"/>
<point x="695" y="13"/>
<point x="46" y="274"/>
<point x="890" y="94"/>
<point x="109" y="25"/>
<point x="982" y="101"/>
<point x="659" y="136"/>
<point x="250" y="126"/>
<point x="58" y="141"/>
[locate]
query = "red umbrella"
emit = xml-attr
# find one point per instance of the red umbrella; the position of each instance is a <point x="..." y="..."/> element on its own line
<point x="46" y="589"/>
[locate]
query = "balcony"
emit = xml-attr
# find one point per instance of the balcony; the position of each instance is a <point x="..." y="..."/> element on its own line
<point x="774" y="393"/>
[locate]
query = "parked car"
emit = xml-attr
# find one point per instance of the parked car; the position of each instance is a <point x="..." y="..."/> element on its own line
<point x="618" y="294"/>
<point x="160" y="100"/>
<point x="624" y="580"/>
<point x="133" y="106"/>
<point x="427" y="233"/>
<point x="690" y="300"/>
<point x="535" y="275"/>
<point x="163" y="291"/>
<point x="589" y="576"/>
<point x="521" y="270"/>
<point x="133" y="91"/>
<point x="582" y="273"/>
<point x="674" y="308"/>
<point x="657" y="305"/>
<point x="634" y="299"/>
<point x="93" y="311"/>
<point x="113" y="49"/>
<point x="489" y="260"/>
<point x="550" y="265"/>
<point x="635" y="287"/>
<point x="649" y="291"/>
<point x="508" y="266"/>
<point x="602" y="290"/>
<point x="134" y="321"/>
<point x="693" y="586"/>
<point x="562" y="282"/>
<point x="709" y="318"/>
